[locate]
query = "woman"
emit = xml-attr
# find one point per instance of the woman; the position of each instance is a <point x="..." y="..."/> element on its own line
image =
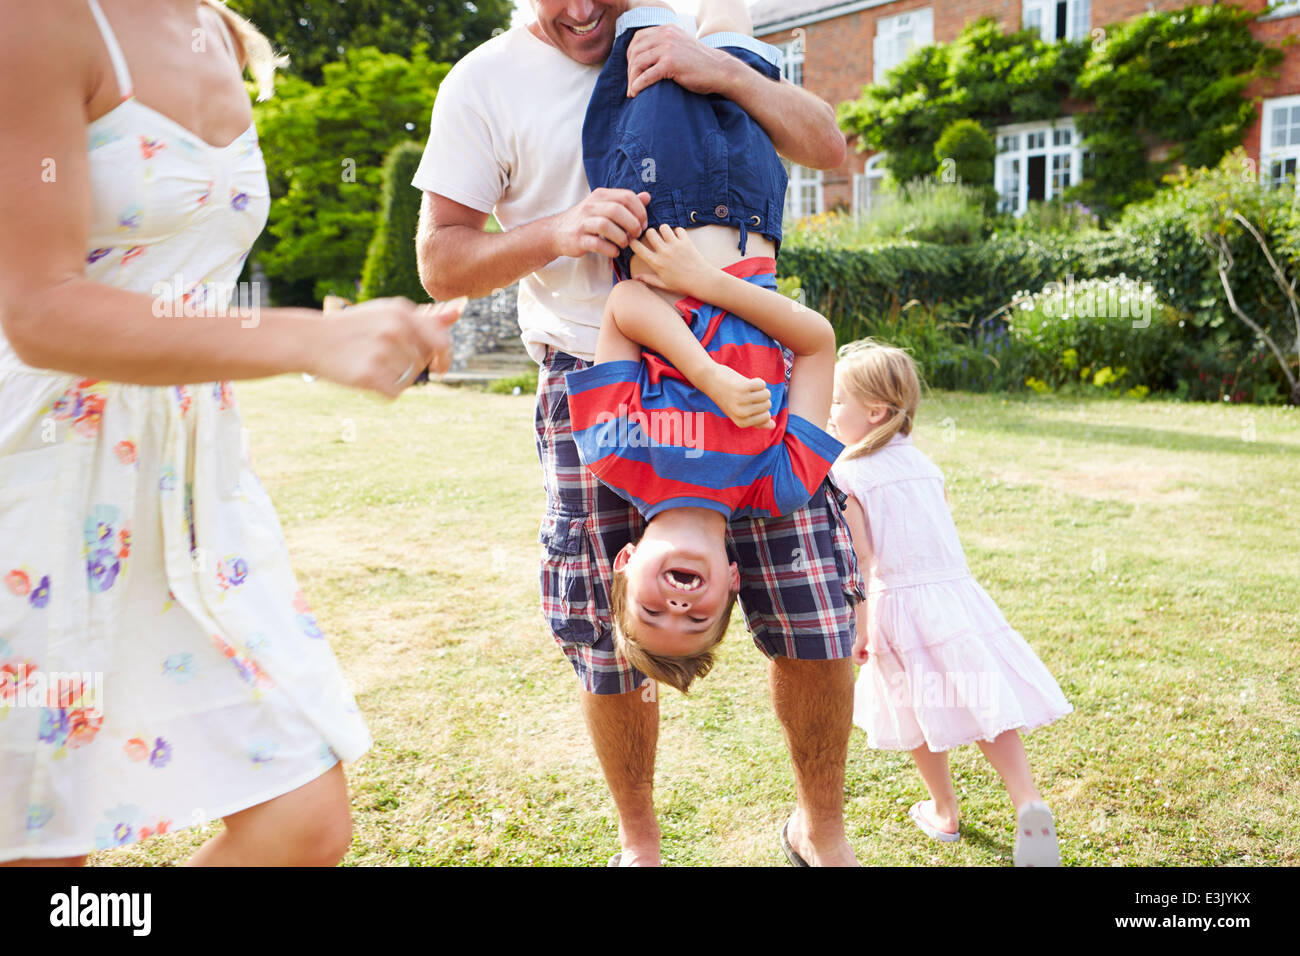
<point x="136" y="546"/>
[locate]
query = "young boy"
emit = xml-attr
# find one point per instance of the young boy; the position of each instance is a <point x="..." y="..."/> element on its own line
<point x="702" y="426"/>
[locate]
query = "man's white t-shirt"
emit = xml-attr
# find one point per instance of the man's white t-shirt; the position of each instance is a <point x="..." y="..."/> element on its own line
<point x="506" y="138"/>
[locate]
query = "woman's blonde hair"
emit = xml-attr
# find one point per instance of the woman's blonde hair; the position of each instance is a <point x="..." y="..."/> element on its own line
<point x="879" y="374"/>
<point x="263" y="61"/>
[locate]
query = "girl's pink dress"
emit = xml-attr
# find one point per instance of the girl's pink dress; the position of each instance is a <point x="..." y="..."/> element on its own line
<point x="945" y="667"/>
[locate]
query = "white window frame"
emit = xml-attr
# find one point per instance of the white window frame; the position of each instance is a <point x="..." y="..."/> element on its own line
<point x="867" y="186"/>
<point x="798" y="201"/>
<point x="1271" y="153"/>
<point x="792" y="57"/>
<point x="1018" y="143"/>
<point x="1283" y="8"/>
<point x="898" y="37"/>
<point x="1041" y="15"/>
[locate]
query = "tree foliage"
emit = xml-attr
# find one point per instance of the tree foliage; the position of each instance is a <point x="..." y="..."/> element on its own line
<point x="1173" y="82"/>
<point x="1176" y="80"/>
<point x="985" y="76"/>
<point x="324" y="147"/>
<point x="316" y="32"/>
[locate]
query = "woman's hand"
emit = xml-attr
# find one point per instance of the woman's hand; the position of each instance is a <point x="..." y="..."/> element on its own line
<point x="383" y="344"/>
<point x="677" y="264"/>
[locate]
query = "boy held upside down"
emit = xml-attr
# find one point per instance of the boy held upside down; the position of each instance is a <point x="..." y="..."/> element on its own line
<point x="750" y="446"/>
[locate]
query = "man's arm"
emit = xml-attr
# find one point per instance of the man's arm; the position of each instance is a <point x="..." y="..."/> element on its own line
<point x="801" y="125"/>
<point x="456" y="257"/>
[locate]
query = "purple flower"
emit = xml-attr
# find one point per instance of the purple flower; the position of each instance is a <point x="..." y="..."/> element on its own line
<point x="41" y="595"/>
<point x="97" y="254"/>
<point x="102" y="568"/>
<point x="309" y="626"/>
<point x="239" y="201"/>
<point x="162" y="754"/>
<point x="54" y="725"/>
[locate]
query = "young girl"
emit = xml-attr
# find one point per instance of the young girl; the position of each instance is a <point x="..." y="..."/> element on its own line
<point x="941" y="666"/>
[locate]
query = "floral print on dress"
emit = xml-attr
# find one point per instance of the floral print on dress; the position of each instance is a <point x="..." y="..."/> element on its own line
<point x="83" y="405"/>
<point x="97" y="254"/>
<point x="135" y="252"/>
<point x="306" y="620"/>
<point x="159" y="754"/>
<point x="38" y="814"/>
<point x="19" y="583"/>
<point x="231" y="572"/>
<point x="149" y="148"/>
<point x="69" y="729"/>
<point x="16" y="676"/>
<point x="224" y="393"/>
<point x="183" y="399"/>
<point x="130" y="219"/>
<point x="126" y="452"/>
<point x="262" y="750"/>
<point x="180" y="667"/>
<point x="107" y="546"/>
<point x="238" y="201"/>
<point x="159" y="828"/>
<point x="117" y="828"/>
<point x="246" y="667"/>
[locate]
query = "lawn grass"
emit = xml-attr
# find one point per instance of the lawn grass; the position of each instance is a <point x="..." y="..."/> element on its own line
<point x="1147" y="551"/>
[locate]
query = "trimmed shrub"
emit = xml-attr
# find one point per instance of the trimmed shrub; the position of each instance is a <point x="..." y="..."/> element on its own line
<point x="391" y="267"/>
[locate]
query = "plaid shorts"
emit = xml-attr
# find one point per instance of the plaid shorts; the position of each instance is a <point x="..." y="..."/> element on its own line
<point x="799" y="577"/>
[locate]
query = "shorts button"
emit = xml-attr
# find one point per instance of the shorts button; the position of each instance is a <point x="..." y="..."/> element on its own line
<point x="722" y="212"/>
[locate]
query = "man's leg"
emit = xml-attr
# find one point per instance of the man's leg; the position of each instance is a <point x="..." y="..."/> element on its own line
<point x="799" y="582"/>
<point x="624" y="730"/>
<point x="814" y="702"/>
<point x="622" y="718"/>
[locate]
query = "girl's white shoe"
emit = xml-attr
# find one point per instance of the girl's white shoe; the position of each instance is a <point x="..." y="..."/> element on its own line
<point x="1036" y="837"/>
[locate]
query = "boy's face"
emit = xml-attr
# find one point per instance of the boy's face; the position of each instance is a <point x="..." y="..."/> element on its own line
<point x="582" y="30"/>
<point x="674" y="595"/>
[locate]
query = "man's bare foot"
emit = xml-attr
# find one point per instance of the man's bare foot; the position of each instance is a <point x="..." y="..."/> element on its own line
<point x="746" y="401"/>
<point x="831" y="850"/>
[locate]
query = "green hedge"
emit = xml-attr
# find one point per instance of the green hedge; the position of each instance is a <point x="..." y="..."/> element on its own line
<point x="391" y="267"/>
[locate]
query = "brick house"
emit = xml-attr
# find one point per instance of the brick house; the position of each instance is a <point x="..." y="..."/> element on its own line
<point x="834" y="48"/>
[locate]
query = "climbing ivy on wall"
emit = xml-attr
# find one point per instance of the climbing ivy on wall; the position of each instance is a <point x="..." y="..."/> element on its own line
<point x="1175" y="79"/>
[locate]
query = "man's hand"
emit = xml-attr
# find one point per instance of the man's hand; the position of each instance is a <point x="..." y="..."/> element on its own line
<point x="604" y="222"/>
<point x="669" y="53"/>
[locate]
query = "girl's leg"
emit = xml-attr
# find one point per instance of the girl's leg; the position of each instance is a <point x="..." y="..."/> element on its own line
<point x="724" y="16"/>
<point x="942" y="812"/>
<point x="48" y="861"/>
<point x="310" y="826"/>
<point x="1007" y="755"/>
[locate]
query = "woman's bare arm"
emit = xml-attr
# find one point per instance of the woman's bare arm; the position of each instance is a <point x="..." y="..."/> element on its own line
<point x="55" y="318"/>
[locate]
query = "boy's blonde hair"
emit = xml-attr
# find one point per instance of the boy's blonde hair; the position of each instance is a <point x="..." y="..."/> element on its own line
<point x="262" y="59"/>
<point x="677" y="672"/>
<point x="879" y="374"/>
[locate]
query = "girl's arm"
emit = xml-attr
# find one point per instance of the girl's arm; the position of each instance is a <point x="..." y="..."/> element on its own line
<point x="857" y="521"/>
<point x="679" y="266"/>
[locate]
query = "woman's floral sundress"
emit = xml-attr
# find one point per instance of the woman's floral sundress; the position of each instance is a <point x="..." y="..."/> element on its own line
<point x="139" y="552"/>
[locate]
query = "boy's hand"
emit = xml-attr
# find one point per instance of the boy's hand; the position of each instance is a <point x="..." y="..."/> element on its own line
<point x="746" y="401"/>
<point x="677" y="264"/>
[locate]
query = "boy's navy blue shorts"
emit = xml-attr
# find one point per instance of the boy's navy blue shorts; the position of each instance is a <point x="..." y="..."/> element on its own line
<point x="703" y="159"/>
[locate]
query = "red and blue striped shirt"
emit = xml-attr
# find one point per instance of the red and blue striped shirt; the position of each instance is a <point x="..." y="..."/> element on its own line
<point x="659" y="442"/>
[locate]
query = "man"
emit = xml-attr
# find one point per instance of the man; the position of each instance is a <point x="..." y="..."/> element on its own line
<point x="506" y="138"/>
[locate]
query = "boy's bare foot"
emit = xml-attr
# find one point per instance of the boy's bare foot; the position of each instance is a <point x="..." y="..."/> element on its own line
<point x="746" y="401"/>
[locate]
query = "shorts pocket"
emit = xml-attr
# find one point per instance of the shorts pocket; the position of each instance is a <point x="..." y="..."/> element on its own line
<point x="846" y="558"/>
<point x="566" y="578"/>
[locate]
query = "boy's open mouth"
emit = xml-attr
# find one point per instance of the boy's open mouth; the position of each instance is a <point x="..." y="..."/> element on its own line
<point x="683" y="580"/>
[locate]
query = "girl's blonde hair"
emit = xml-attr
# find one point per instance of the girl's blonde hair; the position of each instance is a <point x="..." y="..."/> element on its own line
<point x="263" y="61"/>
<point x="879" y="374"/>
